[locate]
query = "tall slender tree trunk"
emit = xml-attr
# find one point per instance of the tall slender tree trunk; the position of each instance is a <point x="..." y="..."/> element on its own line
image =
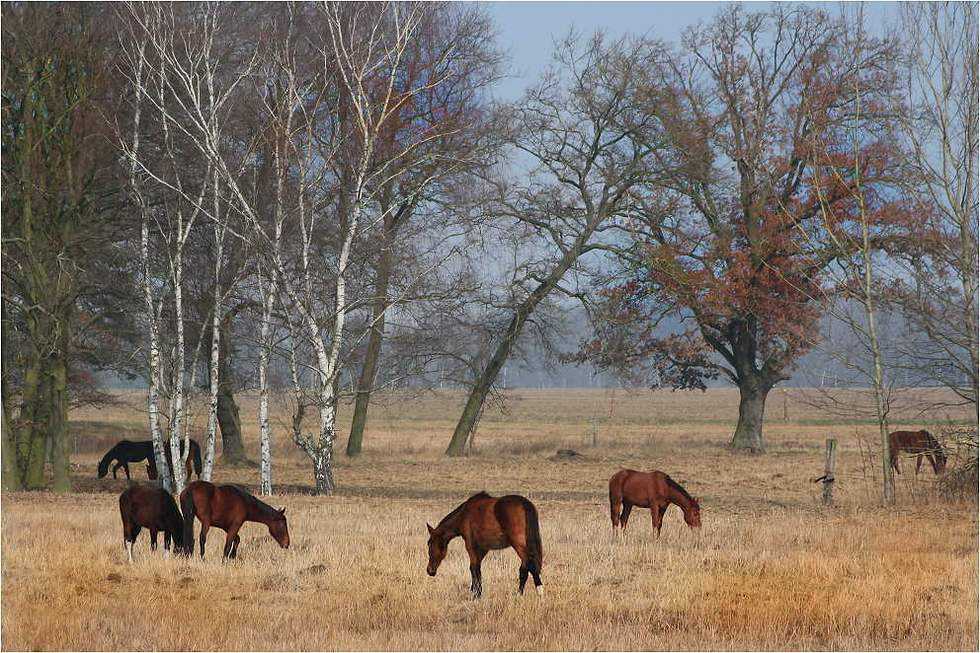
<point x="369" y="370"/>
<point x="58" y="420"/>
<point x="177" y="389"/>
<point x="877" y="378"/>
<point x="265" y="430"/>
<point x="229" y="418"/>
<point x="484" y="382"/>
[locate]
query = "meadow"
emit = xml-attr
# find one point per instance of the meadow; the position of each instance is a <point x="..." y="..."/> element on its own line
<point x="772" y="568"/>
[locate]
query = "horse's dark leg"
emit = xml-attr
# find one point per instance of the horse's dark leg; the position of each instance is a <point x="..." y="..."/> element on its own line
<point x="933" y="462"/>
<point x="153" y="539"/>
<point x="918" y="464"/>
<point x="116" y="467"/>
<point x="523" y="577"/>
<point x="657" y="512"/>
<point x="476" y="557"/>
<point x="134" y="531"/>
<point x="234" y="546"/>
<point x="204" y="535"/>
<point x="535" y="570"/>
<point x="166" y="544"/>
<point x="230" y="539"/>
<point x="894" y="456"/>
<point x="625" y="517"/>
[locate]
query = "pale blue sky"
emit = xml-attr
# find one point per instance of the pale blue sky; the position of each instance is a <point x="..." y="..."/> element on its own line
<point x="528" y="29"/>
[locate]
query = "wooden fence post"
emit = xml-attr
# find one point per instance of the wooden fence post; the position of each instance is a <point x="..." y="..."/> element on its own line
<point x="828" y="472"/>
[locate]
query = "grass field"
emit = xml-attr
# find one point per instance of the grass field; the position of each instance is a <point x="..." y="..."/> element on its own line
<point x="770" y="569"/>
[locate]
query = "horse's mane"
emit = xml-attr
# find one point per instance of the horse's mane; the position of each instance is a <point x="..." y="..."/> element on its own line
<point x="677" y="486"/>
<point x="458" y="509"/>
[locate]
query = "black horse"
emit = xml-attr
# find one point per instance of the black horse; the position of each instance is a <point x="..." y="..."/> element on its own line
<point x="128" y="451"/>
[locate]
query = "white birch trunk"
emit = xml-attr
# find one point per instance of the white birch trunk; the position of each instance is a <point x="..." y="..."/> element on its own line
<point x="265" y="434"/>
<point x="177" y="391"/>
<point x="216" y="317"/>
<point x="153" y="393"/>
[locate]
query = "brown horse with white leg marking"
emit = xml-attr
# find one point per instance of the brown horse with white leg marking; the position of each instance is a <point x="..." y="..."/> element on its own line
<point x="487" y="523"/>
<point x="654" y="490"/>
<point x="918" y="443"/>
<point x="227" y="507"/>
<point x="153" y="508"/>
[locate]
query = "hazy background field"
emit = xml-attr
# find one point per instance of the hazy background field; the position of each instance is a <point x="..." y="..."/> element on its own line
<point x="771" y="568"/>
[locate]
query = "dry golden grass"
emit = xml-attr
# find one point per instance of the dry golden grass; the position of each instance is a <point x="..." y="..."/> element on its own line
<point x="771" y="568"/>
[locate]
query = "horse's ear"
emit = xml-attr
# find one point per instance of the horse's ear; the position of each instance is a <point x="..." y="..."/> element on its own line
<point x="431" y="530"/>
<point x="282" y="511"/>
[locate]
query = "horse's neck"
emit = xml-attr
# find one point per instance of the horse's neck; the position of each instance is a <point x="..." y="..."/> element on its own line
<point x="678" y="499"/>
<point x="449" y="529"/>
<point x="258" y="512"/>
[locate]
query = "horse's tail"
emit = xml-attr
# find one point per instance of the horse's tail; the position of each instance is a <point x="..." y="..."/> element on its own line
<point x="106" y="459"/>
<point x="532" y="533"/>
<point x="187" y="508"/>
<point x="196" y="455"/>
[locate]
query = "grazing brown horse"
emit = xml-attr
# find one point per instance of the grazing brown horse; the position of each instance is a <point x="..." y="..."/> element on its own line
<point x="486" y="523"/>
<point x="153" y="508"/>
<point x="654" y="490"/>
<point x="227" y="507"/>
<point x="918" y="443"/>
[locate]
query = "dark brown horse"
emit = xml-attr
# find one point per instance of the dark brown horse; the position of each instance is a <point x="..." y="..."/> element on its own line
<point x="227" y="507"/>
<point x="486" y="523"/>
<point x="150" y="507"/>
<point x="654" y="490"/>
<point x="918" y="443"/>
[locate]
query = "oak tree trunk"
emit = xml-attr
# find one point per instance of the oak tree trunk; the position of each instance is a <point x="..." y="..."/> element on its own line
<point x="751" y="411"/>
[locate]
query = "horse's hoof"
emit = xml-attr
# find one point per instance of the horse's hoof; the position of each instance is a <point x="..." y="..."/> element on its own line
<point x="540" y="590"/>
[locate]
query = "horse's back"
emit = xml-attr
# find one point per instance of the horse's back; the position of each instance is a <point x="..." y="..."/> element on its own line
<point x="148" y="505"/>
<point x="639" y="488"/>
<point x="912" y="441"/>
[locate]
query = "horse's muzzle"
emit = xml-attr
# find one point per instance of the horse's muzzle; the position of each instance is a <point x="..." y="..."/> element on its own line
<point x="431" y="572"/>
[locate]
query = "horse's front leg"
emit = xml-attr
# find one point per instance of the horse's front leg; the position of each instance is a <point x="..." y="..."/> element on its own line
<point x="204" y="535"/>
<point x="476" y="557"/>
<point x="918" y="464"/>
<point x="153" y="539"/>
<point x="657" y="513"/>
<point x="230" y="538"/>
<point x="166" y="545"/>
<point x="625" y="517"/>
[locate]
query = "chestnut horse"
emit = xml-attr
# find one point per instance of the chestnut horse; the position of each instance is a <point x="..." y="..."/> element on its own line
<point x="486" y="523"/>
<point x="153" y="508"/>
<point x="227" y="507"/>
<point x="918" y="443"/>
<point x="654" y="490"/>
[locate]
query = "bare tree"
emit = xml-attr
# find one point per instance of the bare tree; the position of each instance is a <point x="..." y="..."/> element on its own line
<point x="939" y="121"/>
<point x="577" y="130"/>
